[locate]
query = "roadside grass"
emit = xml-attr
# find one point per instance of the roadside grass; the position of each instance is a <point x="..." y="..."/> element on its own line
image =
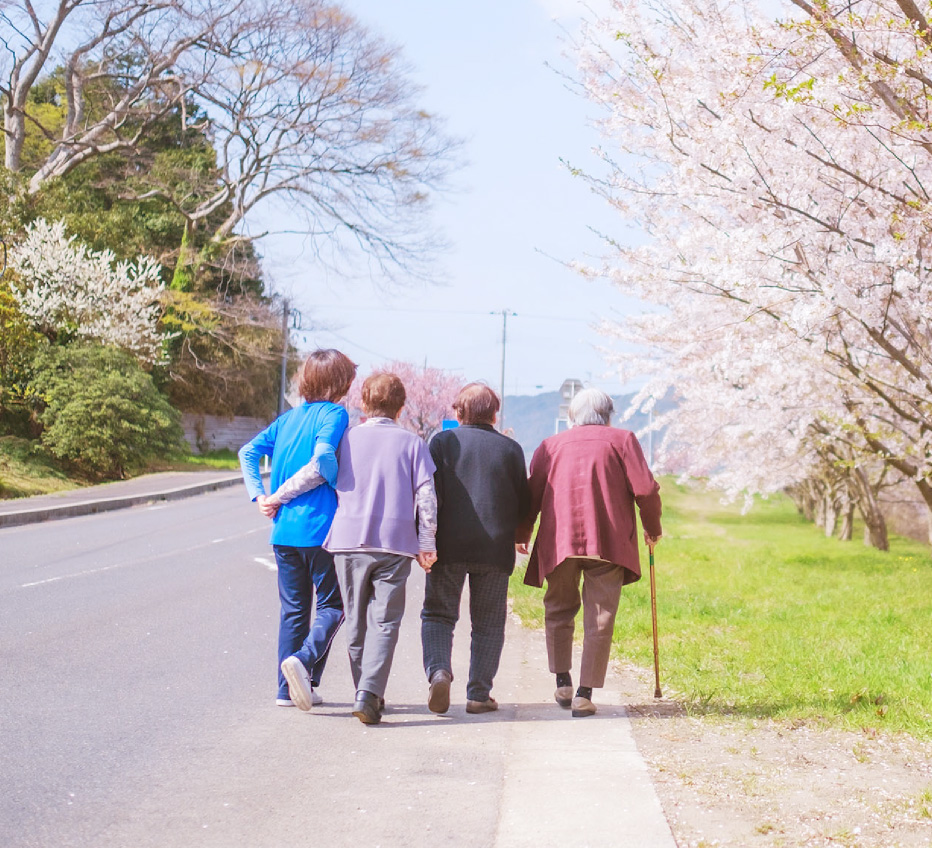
<point x="26" y="468"/>
<point x="218" y="459"/>
<point x="760" y="615"/>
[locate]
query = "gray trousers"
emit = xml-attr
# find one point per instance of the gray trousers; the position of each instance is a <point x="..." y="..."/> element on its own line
<point x="601" y="592"/>
<point x="373" y="589"/>
<point x="488" y="611"/>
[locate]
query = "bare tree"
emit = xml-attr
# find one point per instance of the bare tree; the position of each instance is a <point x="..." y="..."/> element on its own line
<point x="300" y="102"/>
<point x="121" y="54"/>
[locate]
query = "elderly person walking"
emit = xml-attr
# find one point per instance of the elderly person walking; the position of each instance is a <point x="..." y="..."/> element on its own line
<point x="584" y="484"/>
<point x="304" y="439"/>
<point x="482" y="494"/>
<point x="387" y="516"/>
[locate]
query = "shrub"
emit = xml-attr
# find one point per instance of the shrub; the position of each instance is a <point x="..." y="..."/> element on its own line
<point x="102" y="413"/>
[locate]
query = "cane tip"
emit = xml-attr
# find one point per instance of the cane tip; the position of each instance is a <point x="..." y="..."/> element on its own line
<point x="657" y="693"/>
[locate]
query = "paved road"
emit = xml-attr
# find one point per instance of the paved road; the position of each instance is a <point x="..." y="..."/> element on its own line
<point x="137" y="709"/>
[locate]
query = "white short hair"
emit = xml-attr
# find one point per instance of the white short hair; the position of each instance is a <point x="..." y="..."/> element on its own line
<point x="591" y="406"/>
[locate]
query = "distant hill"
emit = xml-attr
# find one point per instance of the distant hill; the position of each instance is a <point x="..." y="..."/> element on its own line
<point x="533" y="417"/>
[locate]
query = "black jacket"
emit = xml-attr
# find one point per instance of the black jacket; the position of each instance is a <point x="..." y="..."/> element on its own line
<point x="482" y="495"/>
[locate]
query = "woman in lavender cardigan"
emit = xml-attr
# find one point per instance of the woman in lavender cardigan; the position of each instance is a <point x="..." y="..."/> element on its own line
<point x="386" y="474"/>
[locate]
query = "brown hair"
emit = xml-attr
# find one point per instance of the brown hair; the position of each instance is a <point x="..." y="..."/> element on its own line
<point x="383" y="395"/>
<point x="476" y="404"/>
<point x="327" y="375"/>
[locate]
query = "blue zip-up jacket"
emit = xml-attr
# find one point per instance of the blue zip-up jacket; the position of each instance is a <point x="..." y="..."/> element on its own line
<point x="292" y="440"/>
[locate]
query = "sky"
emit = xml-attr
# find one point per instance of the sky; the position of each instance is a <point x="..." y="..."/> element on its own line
<point x="515" y="216"/>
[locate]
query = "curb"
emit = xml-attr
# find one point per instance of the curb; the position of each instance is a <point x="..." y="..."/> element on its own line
<point x="51" y="513"/>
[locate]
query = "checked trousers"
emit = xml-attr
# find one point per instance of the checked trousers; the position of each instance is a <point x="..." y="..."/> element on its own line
<point x="488" y="611"/>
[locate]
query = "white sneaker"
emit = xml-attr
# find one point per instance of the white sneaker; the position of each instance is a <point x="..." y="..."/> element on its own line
<point x="284" y="702"/>
<point x="299" y="683"/>
<point x="316" y="699"/>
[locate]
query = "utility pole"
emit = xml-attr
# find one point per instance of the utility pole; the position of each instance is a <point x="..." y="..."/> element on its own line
<point x="501" y="412"/>
<point x="650" y="438"/>
<point x="284" y="375"/>
<point x="294" y="316"/>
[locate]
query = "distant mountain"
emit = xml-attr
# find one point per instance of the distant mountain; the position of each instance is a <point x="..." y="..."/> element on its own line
<point x="533" y="417"/>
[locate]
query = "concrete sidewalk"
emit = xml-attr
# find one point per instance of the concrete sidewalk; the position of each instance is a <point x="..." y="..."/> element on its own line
<point x="168" y="485"/>
<point x="571" y="781"/>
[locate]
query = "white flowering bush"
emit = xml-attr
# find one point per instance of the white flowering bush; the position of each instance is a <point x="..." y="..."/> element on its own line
<point x="69" y="290"/>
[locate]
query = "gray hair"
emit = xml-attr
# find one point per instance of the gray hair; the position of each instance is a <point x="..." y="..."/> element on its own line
<point x="591" y="406"/>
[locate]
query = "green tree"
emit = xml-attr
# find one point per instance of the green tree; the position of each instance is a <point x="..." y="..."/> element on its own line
<point x="19" y="343"/>
<point x="221" y="356"/>
<point x="102" y="413"/>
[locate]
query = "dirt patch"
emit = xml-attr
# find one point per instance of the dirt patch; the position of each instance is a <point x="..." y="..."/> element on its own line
<point x="736" y="783"/>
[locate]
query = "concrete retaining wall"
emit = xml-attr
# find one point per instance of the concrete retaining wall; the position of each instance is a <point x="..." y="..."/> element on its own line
<point x="210" y="432"/>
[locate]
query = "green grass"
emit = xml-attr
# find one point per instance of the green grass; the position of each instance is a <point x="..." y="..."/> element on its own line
<point x="218" y="459"/>
<point x="26" y="468"/>
<point x="761" y="616"/>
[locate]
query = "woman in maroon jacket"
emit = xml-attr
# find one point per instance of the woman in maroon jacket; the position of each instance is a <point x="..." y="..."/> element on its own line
<point x="584" y="484"/>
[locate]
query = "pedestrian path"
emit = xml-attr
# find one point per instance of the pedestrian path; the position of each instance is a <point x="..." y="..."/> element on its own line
<point x="572" y="782"/>
<point x="168" y="485"/>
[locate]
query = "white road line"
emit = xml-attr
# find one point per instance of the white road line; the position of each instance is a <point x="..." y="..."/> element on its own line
<point x="155" y="558"/>
<point x="77" y="574"/>
<point x="269" y="564"/>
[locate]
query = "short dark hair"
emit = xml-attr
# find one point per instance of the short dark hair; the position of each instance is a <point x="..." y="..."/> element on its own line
<point x="476" y="404"/>
<point x="383" y="395"/>
<point x="327" y="375"/>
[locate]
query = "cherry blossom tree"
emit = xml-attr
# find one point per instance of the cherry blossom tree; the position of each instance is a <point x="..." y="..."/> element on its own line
<point x="69" y="291"/>
<point x="430" y="395"/>
<point x="780" y="169"/>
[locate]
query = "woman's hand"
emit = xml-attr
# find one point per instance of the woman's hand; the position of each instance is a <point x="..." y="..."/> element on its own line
<point x="521" y="548"/>
<point x="267" y="506"/>
<point x="426" y="559"/>
<point x="651" y="541"/>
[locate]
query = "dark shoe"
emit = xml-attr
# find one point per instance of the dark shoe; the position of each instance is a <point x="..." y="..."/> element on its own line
<point x="381" y="705"/>
<point x="482" y="706"/>
<point x="564" y="696"/>
<point x="438" y="699"/>
<point x="366" y="708"/>
<point x="582" y="707"/>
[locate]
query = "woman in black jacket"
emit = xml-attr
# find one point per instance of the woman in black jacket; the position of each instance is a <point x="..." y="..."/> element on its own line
<point x="482" y="496"/>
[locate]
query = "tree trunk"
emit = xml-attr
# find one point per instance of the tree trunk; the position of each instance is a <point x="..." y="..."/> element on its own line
<point x="875" y="530"/>
<point x="847" y="523"/>
<point x="820" y="510"/>
<point x="926" y="491"/>
<point x="830" y="521"/>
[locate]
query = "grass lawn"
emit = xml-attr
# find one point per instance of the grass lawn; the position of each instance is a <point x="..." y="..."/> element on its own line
<point x="760" y="615"/>
<point x="219" y="459"/>
<point x="26" y="468"/>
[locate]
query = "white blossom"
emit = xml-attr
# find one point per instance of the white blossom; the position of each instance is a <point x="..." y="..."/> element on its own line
<point x="783" y="178"/>
<point x="65" y="287"/>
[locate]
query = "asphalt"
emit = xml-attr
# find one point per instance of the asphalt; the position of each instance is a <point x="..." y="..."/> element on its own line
<point x="164" y="486"/>
<point x="566" y="781"/>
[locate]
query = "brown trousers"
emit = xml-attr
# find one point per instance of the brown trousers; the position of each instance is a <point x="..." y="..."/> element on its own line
<point x="601" y="591"/>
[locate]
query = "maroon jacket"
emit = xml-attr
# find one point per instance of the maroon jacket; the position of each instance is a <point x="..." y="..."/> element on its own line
<point x="584" y="484"/>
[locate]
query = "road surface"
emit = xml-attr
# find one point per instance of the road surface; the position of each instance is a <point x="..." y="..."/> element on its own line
<point x="137" y="687"/>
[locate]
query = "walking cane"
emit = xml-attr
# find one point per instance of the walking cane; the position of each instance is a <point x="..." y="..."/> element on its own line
<point x="653" y="617"/>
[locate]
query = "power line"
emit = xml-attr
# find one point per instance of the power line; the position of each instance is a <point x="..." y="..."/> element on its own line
<point x="351" y="308"/>
<point x="356" y="344"/>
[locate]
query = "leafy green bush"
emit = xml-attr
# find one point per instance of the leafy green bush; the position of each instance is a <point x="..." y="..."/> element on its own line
<point x="102" y="413"/>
